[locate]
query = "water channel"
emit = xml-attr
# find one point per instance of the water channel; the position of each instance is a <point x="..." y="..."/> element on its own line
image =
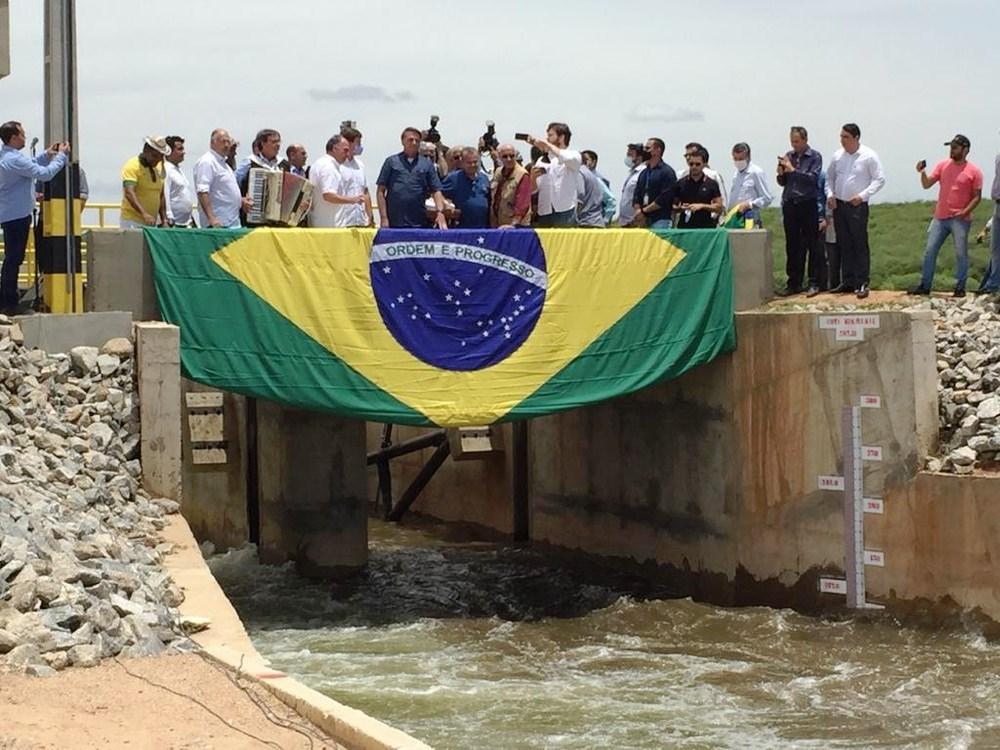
<point x="474" y="645"/>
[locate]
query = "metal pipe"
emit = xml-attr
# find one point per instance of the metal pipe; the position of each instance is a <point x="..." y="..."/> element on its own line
<point x="69" y="87"/>
<point x="420" y="442"/>
<point x="420" y="481"/>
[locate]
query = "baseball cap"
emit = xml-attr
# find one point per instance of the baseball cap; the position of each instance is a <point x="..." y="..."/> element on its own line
<point x="959" y="140"/>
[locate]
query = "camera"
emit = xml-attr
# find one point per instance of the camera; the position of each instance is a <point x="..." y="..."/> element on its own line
<point x="490" y="137"/>
<point x="348" y="124"/>
<point x="432" y="132"/>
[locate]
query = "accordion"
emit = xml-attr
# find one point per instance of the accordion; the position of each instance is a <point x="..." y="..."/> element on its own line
<point x="279" y="198"/>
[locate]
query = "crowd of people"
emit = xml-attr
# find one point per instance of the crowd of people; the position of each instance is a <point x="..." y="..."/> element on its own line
<point x="825" y="211"/>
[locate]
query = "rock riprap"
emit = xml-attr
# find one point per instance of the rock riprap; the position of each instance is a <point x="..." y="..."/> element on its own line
<point x="80" y="548"/>
<point x="968" y="363"/>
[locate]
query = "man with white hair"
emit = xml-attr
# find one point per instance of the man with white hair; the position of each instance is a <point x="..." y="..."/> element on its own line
<point x="469" y="189"/>
<point x="215" y="183"/>
<point x="335" y="201"/>
<point x="510" y="191"/>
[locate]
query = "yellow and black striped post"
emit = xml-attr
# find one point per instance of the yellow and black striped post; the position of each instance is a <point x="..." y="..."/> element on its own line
<point x="57" y="261"/>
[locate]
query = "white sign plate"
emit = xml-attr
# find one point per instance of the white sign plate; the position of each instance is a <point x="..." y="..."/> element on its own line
<point x="832" y="586"/>
<point x="875" y="557"/>
<point x="871" y="453"/>
<point x="871" y="402"/>
<point x="831" y="483"/>
<point x="874" y="505"/>
<point x="849" y="333"/>
<point x="832" y="322"/>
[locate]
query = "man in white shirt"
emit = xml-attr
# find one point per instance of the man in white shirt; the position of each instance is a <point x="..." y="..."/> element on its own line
<point x="332" y="205"/>
<point x="355" y="179"/>
<point x="853" y="177"/>
<point x="635" y="160"/>
<point x="557" y="203"/>
<point x="180" y="201"/>
<point x="218" y="193"/>
<point x="749" y="194"/>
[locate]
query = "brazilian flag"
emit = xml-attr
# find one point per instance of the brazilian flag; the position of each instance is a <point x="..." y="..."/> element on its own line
<point x="448" y="328"/>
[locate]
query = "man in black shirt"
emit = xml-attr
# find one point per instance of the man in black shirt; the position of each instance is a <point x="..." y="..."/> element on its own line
<point x="653" y="198"/>
<point x="697" y="197"/>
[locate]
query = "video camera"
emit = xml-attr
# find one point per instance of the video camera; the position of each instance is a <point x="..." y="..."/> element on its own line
<point x="348" y="124"/>
<point x="490" y="137"/>
<point x="432" y="132"/>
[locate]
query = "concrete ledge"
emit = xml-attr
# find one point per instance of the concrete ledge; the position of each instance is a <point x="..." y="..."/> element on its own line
<point x="57" y="334"/>
<point x="226" y="642"/>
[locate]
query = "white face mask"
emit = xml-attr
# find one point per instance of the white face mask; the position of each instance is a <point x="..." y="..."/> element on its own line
<point x="358" y="150"/>
<point x="629" y="162"/>
<point x="740" y="164"/>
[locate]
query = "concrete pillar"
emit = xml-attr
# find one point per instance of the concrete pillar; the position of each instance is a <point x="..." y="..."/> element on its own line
<point x="214" y="430"/>
<point x="158" y="368"/>
<point x="4" y="38"/>
<point x="120" y="273"/>
<point x="753" y="268"/>
<point x="312" y="490"/>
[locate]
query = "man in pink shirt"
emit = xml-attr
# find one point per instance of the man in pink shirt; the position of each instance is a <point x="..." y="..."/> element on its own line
<point x="961" y="190"/>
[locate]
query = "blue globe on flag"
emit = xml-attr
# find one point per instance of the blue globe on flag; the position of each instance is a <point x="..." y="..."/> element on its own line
<point x="462" y="299"/>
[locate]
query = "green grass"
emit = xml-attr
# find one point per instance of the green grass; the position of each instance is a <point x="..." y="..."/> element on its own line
<point x="897" y="233"/>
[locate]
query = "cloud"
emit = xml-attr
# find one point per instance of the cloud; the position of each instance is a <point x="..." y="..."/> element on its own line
<point x="360" y="93"/>
<point x="657" y="113"/>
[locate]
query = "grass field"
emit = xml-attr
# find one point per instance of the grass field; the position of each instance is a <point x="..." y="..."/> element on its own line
<point x="897" y="233"/>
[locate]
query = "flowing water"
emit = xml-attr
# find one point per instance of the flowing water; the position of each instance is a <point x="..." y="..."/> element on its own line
<point x="471" y="645"/>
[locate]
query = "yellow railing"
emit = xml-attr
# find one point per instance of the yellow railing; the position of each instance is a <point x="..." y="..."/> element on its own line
<point x="106" y="214"/>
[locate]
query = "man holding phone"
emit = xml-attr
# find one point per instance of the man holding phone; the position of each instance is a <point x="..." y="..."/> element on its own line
<point x="798" y="175"/>
<point x="557" y="205"/>
<point x="961" y="190"/>
<point x="18" y="174"/>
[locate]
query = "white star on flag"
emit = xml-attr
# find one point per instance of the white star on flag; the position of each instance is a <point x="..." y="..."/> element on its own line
<point x="458" y="283"/>
<point x="447" y="298"/>
<point x="427" y="277"/>
<point x="386" y="269"/>
<point x="468" y="292"/>
<point x="481" y="240"/>
<point x="400" y="298"/>
<point x="517" y="297"/>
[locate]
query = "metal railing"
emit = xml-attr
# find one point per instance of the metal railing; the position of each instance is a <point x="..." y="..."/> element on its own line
<point x="104" y="213"/>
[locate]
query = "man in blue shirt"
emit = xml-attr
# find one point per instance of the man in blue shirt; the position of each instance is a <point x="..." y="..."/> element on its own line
<point x="469" y="189"/>
<point x="798" y="174"/>
<point x="405" y="182"/>
<point x="18" y="174"/>
<point x="653" y="199"/>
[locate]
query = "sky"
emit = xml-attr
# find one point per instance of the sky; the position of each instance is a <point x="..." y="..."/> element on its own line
<point x="911" y="74"/>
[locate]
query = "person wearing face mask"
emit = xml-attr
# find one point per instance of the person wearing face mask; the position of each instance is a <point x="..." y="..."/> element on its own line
<point x="749" y="193"/>
<point x="355" y="181"/>
<point x="635" y="162"/>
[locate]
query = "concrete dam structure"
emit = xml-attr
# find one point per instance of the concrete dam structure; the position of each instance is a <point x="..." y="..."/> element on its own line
<point x="729" y="482"/>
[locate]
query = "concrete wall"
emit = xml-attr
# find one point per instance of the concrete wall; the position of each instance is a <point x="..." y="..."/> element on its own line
<point x="120" y="273"/>
<point x="57" y="333"/>
<point x="215" y="494"/>
<point x="474" y="491"/>
<point x="313" y="506"/>
<point x="713" y="477"/>
<point x="941" y="537"/>
<point x="753" y="278"/>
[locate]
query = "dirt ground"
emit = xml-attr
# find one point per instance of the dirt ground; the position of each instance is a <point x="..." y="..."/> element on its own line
<point x="105" y="707"/>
